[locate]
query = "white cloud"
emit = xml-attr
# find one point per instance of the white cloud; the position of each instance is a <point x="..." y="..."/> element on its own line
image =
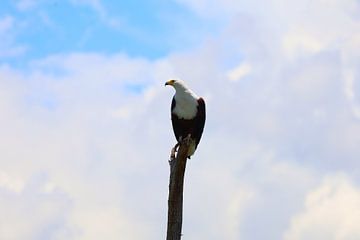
<point x="15" y="185"/>
<point x="351" y="73"/>
<point x="239" y="72"/>
<point x="301" y="43"/>
<point x="331" y="212"/>
<point x="32" y="213"/>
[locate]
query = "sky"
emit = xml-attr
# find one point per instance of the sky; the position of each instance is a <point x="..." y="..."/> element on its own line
<point x="86" y="131"/>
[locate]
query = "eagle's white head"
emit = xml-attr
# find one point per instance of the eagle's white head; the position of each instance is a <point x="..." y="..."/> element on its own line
<point x="179" y="85"/>
<point x="181" y="88"/>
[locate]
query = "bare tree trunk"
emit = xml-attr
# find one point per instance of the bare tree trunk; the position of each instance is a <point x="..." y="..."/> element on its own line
<point x="176" y="185"/>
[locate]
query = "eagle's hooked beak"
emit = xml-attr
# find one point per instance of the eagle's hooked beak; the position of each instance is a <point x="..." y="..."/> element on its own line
<point x="170" y="82"/>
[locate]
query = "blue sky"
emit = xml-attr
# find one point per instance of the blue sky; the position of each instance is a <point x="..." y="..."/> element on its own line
<point x="86" y="131"/>
<point x="138" y="28"/>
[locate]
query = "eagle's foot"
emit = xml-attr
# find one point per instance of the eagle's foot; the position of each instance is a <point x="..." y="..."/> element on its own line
<point x="188" y="139"/>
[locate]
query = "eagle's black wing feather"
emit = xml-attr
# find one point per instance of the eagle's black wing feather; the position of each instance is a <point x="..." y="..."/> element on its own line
<point x="199" y="120"/>
<point x="194" y="126"/>
<point x="175" y="121"/>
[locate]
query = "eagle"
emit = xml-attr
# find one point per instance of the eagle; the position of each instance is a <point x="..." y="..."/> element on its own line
<point x="187" y="115"/>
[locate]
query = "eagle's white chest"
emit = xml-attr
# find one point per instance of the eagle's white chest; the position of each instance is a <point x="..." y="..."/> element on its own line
<point x="186" y="105"/>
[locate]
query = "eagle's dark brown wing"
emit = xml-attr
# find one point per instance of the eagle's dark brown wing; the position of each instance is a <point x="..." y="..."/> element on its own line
<point x="199" y="121"/>
<point x="195" y="127"/>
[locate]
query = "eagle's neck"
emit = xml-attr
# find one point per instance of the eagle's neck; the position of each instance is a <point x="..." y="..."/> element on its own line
<point x="186" y="103"/>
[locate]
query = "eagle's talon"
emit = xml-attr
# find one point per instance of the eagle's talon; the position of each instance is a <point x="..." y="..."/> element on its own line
<point x="188" y="139"/>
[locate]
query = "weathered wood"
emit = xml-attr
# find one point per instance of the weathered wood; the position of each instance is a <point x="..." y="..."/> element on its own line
<point x="176" y="186"/>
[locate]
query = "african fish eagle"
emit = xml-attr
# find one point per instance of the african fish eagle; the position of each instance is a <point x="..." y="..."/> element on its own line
<point x="187" y="114"/>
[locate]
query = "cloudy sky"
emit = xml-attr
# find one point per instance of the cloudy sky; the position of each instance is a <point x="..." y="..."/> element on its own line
<point x="86" y="132"/>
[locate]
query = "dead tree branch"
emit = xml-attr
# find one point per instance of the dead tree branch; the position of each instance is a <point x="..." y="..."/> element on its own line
<point x="176" y="185"/>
